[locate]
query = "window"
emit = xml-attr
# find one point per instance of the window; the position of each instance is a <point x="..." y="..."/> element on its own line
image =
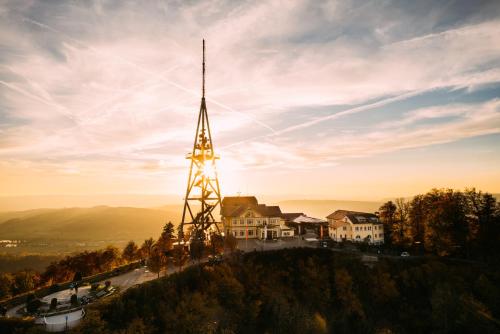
<point x="235" y="234"/>
<point x="242" y="233"/>
<point x="250" y="232"/>
<point x="344" y="228"/>
<point x="235" y="221"/>
<point x="242" y="221"/>
<point x="365" y="228"/>
<point x="369" y="228"/>
<point x="249" y="221"/>
<point x="356" y="228"/>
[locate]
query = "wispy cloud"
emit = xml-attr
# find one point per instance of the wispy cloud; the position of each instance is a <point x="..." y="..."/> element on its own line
<point x="119" y="82"/>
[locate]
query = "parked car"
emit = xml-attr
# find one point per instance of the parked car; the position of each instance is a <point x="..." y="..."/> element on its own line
<point x="214" y="259"/>
<point x="405" y="254"/>
<point x="84" y="300"/>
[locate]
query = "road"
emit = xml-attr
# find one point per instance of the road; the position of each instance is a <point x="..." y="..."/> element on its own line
<point x="124" y="281"/>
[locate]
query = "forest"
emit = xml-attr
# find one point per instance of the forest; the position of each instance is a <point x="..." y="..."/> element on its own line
<point x="308" y="291"/>
<point x="445" y="222"/>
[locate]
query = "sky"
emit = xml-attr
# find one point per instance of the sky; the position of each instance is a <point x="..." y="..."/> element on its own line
<point x="306" y="99"/>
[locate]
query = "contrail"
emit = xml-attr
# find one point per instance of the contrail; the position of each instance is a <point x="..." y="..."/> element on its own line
<point x="149" y="72"/>
<point x="39" y="99"/>
<point x="350" y="111"/>
<point x="118" y="96"/>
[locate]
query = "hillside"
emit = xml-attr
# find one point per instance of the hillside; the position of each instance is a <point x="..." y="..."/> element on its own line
<point x="96" y="226"/>
<point x="322" y="208"/>
<point x="307" y="291"/>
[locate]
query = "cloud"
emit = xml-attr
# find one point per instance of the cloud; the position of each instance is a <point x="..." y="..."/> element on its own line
<point x="119" y="82"/>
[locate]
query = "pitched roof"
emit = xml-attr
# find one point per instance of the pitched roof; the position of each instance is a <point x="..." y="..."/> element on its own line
<point x="307" y="219"/>
<point x="291" y="216"/>
<point x="239" y="200"/>
<point x="235" y="206"/>
<point x="273" y="211"/>
<point x="354" y="216"/>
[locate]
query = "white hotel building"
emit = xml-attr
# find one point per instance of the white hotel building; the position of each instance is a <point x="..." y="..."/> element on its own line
<point x="355" y="226"/>
<point x="243" y="216"/>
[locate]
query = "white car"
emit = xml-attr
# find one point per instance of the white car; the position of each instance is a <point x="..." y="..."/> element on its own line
<point x="405" y="254"/>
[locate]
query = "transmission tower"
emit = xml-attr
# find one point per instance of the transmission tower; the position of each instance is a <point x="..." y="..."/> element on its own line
<point x="203" y="192"/>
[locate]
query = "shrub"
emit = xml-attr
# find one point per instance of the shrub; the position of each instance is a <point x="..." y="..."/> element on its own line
<point x="33" y="305"/>
<point x="74" y="300"/>
<point x="53" y="303"/>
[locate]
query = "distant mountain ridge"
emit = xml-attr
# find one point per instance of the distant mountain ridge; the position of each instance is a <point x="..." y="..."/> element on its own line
<point x="81" y="224"/>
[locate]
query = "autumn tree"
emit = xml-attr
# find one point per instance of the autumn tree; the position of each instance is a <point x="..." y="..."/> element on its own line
<point x="417" y="217"/>
<point x="179" y="257"/>
<point x="6" y="282"/>
<point x="130" y="252"/>
<point x="146" y="248"/>
<point x="400" y="233"/>
<point x="156" y="260"/>
<point x="230" y="242"/>
<point x="109" y="258"/>
<point x="197" y="249"/>
<point x="388" y="218"/>
<point x="216" y="244"/>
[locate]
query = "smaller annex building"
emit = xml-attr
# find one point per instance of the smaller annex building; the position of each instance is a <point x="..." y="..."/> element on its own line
<point x="302" y="223"/>
<point x="355" y="226"/>
<point x="244" y="217"/>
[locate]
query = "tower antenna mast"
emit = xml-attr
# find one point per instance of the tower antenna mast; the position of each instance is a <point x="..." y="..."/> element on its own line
<point x="203" y="191"/>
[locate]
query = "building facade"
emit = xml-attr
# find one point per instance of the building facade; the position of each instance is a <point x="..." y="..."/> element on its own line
<point x="244" y="217"/>
<point x="344" y="225"/>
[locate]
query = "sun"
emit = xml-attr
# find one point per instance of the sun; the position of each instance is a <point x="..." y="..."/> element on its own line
<point x="209" y="169"/>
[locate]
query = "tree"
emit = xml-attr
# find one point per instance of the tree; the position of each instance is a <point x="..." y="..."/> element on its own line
<point x="53" y="303"/>
<point x="388" y="217"/>
<point x="108" y="258"/>
<point x="78" y="276"/>
<point x="74" y="300"/>
<point x="197" y="249"/>
<point x="346" y="295"/>
<point x="167" y="237"/>
<point x="156" y="260"/>
<point x="230" y="242"/>
<point x="179" y="256"/>
<point x="216" y="244"/>
<point x="146" y="248"/>
<point x="417" y="217"/>
<point x="32" y="303"/>
<point x="6" y="282"/>
<point x="401" y="234"/>
<point x="25" y="280"/>
<point x="130" y="251"/>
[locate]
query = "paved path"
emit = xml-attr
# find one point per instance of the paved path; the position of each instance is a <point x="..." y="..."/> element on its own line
<point x="124" y="281"/>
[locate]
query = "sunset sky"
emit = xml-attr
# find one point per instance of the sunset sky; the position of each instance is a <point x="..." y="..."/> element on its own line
<point x="307" y="99"/>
